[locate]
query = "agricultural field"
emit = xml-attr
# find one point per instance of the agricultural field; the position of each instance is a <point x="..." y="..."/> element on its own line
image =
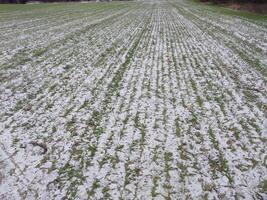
<point x="160" y="99"/>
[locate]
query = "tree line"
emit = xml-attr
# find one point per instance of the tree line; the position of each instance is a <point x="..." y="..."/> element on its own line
<point x="235" y="1"/>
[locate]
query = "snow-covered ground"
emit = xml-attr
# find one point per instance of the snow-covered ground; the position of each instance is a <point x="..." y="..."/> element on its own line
<point x="132" y="100"/>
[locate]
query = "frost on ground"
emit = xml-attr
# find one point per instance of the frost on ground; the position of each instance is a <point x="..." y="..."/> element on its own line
<point x="133" y="100"/>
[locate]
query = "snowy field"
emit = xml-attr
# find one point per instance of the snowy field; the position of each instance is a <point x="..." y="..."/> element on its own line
<point x="163" y="99"/>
